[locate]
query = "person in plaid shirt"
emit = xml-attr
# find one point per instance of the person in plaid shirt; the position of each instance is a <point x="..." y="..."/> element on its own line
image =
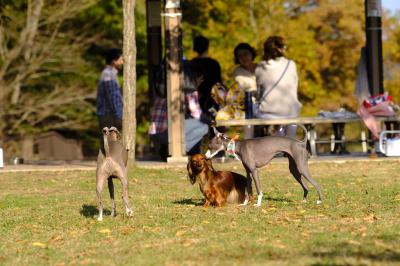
<point x="109" y="96"/>
<point x="195" y="128"/>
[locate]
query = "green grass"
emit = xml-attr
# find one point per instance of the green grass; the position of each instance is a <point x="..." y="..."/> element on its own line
<point x="49" y="218"/>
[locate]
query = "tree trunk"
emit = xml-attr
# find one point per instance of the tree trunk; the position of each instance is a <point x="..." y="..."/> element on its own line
<point x="129" y="89"/>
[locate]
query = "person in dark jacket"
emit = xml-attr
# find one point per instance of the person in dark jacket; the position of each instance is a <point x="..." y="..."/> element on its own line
<point x="109" y="95"/>
<point x="211" y="72"/>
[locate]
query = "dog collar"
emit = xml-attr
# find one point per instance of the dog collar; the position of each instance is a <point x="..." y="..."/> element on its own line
<point x="230" y="149"/>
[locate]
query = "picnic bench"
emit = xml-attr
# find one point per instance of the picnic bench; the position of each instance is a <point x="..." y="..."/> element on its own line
<point x="310" y="123"/>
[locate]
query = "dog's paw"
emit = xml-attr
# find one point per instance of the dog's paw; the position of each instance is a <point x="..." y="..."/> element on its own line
<point x="245" y="202"/>
<point x="100" y="219"/>
<point x="113" y="214"/>
<point x="319" y="201"/>
<point x="304" y="200"/>
<point x="129" y="213"/>
<point x="259" y="199"/>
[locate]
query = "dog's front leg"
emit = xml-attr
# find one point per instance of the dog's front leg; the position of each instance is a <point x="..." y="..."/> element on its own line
<point x="208" y="198"/>
<point x="248" y="190"/>
<point x="258" y="187"/>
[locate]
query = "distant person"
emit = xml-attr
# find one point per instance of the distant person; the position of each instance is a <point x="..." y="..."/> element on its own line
<point x="277" y="84"/>
<point x="211" y="72"/>
<point x="244" y="75"/>
<point x="109" y="95"/>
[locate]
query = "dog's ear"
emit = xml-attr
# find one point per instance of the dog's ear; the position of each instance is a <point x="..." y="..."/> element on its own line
<point x="215" y="131"/>
<point x="191" y="176"/>
<point x="222" y="136"/>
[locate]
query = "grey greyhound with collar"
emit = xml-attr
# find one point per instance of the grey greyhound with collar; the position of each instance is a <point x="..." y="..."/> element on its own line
<point x="258" y="152"/>
<point x="111" y="163"/>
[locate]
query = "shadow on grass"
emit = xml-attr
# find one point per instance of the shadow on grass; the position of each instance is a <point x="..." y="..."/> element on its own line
<point x="200" y="202"/>
<point x="278" y="199"/>
<point x="195" y="202"/>
<point x="90" y="211"/>
<point x="346" y="251"/>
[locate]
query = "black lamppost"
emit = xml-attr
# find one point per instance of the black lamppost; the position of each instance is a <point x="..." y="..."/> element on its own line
<point x="373" y="33"/>
<point x="154" y="46"/>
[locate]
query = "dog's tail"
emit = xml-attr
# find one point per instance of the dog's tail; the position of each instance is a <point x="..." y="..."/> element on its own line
<point x="105" y="142"/>
<point x="305" y="132"/>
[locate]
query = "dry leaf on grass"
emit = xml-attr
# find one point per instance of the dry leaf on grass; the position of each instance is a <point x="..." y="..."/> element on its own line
<point x="353" y="242"/>
<point x="38" y="244"/>
<point x="370" y="218"/>
<point x="180" y="233"/>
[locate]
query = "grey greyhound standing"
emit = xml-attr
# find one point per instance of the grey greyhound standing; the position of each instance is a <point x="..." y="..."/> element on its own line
<point x="111" y="163"/>
<point x="258" y="152"/>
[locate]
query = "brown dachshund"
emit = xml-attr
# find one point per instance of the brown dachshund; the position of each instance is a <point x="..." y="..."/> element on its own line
<point x="218" y="187"/>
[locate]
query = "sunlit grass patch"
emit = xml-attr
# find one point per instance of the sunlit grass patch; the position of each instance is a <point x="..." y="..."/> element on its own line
<point x="50" y="218"/>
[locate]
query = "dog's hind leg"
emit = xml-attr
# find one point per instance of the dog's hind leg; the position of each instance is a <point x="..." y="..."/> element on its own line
<point x="123" y="176"/>
<point x="296" y="174"/>
<point x="111" y="190"/>
<point x="254" y="174"/>
<point x="303" y="169"/>
<point x="100" y="178"/>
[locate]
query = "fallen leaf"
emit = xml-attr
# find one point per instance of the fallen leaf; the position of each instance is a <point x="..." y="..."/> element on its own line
<point x="353" y="242"/>
<point x="38" y="244"/>
<point x="105" y="231"/>
<point x="190" y="242"/>
<point x="180" y="233"/>
<point x="370" y="218"/>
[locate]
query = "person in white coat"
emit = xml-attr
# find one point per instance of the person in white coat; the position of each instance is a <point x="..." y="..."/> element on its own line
<point x="244" y="75"/>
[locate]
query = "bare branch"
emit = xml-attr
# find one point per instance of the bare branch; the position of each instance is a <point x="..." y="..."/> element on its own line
<point x="32" y="21"/>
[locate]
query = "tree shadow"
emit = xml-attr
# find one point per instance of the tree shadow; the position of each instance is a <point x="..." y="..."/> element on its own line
<point x="90" y="211"/>
<point x="195" y="202"/>
<point x="345" y="250"/>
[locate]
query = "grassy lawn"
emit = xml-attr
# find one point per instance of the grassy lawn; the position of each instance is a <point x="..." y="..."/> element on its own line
<point x="49" y="218"/>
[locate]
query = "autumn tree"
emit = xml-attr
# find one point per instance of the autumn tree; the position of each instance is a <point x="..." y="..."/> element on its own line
<point x="323" y="37"/>
<point x="43" y="85"/>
